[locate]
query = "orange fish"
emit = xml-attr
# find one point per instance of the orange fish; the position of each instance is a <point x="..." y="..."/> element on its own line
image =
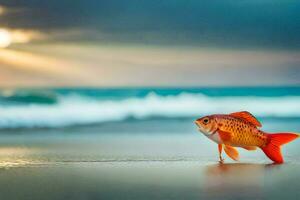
<point x="240" y="129"/>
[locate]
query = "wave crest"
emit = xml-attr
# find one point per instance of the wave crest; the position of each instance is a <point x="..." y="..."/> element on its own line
<point x="79" y="110"/>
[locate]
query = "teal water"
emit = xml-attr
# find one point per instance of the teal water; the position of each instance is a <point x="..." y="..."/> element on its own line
<point x="67" y="107"/>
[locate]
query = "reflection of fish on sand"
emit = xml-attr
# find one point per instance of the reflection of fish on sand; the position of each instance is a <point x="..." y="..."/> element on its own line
<point x="240" y="129"/>
<point x="244" y="180"/>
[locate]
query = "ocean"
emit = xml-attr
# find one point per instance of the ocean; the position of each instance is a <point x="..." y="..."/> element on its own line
<point x="140" y="143"/>
<point x="64" y="107"/>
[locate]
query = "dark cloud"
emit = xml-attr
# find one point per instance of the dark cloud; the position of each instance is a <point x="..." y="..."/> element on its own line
<point x="227" y="23"/>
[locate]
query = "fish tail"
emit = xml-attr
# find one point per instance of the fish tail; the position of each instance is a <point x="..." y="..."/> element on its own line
<point x="275" y="141"/>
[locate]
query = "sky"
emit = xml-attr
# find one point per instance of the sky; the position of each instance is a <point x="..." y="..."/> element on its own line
<point x="150" y="43"/>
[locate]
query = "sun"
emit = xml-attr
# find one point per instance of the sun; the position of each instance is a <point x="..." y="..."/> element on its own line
<point x="5" y="38"/>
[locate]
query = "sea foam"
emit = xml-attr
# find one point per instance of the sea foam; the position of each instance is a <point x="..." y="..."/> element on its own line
<point x="79" y="110"/>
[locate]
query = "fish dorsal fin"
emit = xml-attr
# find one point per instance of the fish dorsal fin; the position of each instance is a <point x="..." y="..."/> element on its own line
<point x="247" y="117"/>
<point x="231" y="152"/>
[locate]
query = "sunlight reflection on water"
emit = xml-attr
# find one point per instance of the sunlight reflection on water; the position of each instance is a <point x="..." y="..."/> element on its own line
<point x="16" y="157"/>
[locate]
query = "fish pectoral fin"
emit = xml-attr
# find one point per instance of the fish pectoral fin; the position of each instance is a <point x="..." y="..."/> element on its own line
<point x="250" y="148"/>
<point x="225" y="136"/>
<point x="231" y="152"/>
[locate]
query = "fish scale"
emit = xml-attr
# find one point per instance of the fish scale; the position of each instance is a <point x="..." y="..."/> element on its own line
<point x="242" y="133"/>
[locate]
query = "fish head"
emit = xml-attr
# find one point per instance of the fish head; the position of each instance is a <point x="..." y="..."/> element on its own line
<point x="207" y="125"/>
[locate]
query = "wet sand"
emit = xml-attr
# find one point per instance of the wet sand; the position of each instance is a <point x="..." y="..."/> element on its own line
<point x="93" y="163"/>
<point x="148" y="180"/>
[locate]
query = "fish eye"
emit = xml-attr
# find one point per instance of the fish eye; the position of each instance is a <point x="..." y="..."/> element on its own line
<point x="205" y="121"/>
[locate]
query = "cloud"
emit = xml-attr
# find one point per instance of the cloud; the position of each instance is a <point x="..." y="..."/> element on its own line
<point x="150" y="43"/>
<point x="231" y="24"/>
<point x="70" y="64"/>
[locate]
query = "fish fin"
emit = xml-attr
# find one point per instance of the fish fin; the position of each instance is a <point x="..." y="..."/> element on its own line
<point x="220" y="148"/>
<point x="225" y="136"/>
<point x="247" y="117"/>
<point x="272" y="149"/>
<point x="231" y="152"/>
<point x="250" y="148"/>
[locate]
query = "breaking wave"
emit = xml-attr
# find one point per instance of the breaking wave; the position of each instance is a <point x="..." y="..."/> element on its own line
<point x="71" y="110"/>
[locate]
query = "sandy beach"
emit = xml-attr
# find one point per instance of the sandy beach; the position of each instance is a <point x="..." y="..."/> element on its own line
<point x="79" y="163"/>
<point x="149" y="180"/>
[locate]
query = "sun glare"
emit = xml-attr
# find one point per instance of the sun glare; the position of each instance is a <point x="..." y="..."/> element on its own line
<point x="2" y="10"/>
<point x="5" y="38"/>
